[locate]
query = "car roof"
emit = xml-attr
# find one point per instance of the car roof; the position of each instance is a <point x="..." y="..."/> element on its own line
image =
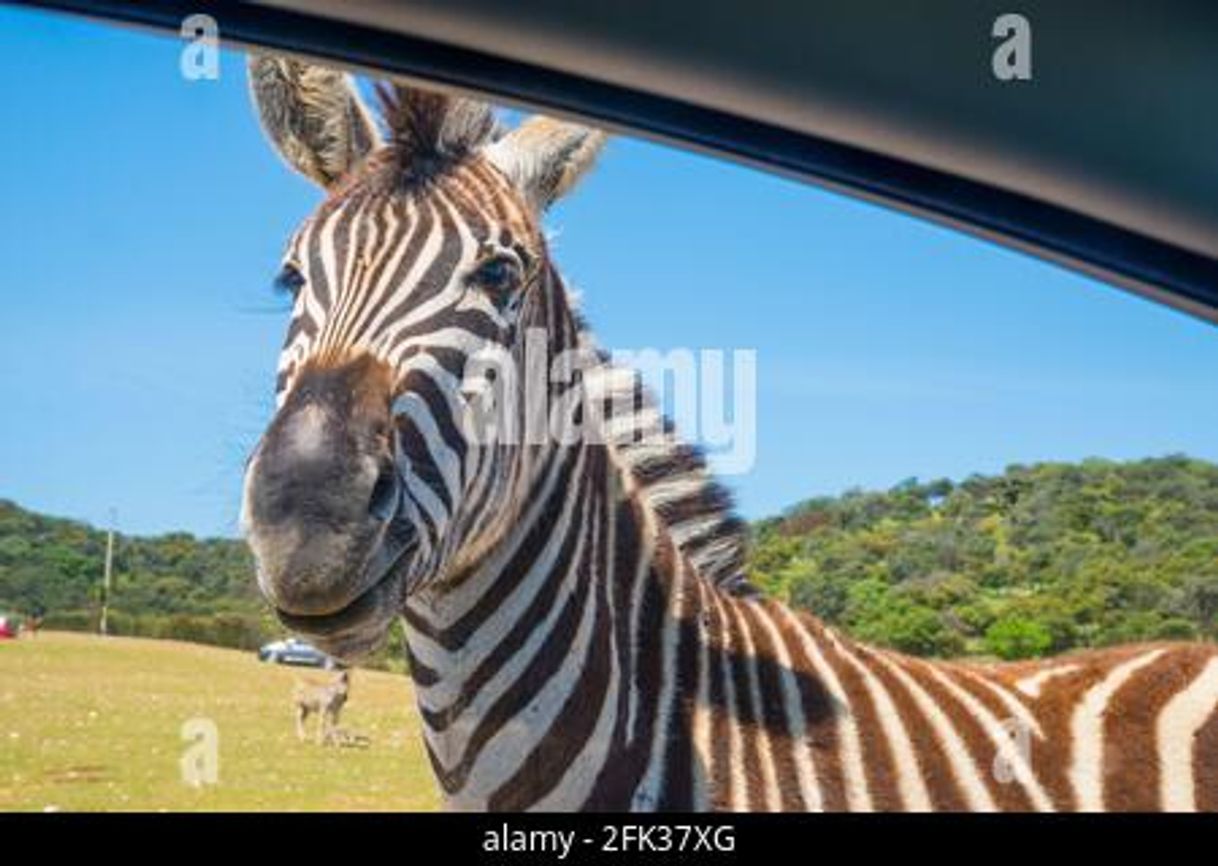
<point x="1103" y="161"/>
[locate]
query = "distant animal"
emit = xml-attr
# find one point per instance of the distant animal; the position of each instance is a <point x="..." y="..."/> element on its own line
<point x="326" y="702"/>
<point x="577" y="628"/>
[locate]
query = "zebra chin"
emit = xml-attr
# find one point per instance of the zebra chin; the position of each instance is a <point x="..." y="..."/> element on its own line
<point x="370" y="596"/>
<point x="357" y="629"/>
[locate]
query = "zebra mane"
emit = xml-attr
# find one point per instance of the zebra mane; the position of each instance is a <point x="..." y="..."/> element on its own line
<point x="427" y="128"/>
<point x="671" y="475"/>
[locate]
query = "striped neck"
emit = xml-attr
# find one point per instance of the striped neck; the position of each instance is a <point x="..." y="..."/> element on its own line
<point x="544" y="648"/>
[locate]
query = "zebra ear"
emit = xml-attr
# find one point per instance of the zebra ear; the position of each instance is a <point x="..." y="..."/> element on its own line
<point x="545" y="157"/>
<point x="312" y="115"/>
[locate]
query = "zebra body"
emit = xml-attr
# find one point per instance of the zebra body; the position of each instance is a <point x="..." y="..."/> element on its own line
<point x="630" y="682"/>
<point x="578" y="630"/>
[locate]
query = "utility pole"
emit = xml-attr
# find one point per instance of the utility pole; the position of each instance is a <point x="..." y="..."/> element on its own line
<point x="105" y="599"/>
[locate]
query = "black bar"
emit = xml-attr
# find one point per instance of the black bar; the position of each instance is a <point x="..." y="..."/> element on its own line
<point x="712" y="839"/>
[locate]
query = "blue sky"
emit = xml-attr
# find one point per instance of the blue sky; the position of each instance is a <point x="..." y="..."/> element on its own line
<point x="143" y="223"/>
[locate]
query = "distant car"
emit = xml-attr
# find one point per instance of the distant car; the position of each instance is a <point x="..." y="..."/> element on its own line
<point x="294" y="651"/>
<point x="9" y="626"/>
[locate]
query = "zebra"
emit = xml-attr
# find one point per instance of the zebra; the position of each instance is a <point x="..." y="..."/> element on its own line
<point x="326" y="701"/>
<point x="578" y="627"/>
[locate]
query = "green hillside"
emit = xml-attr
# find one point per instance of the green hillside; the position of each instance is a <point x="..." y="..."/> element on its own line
<point x="173" y="586"/>
<point x="1038" y="560"/>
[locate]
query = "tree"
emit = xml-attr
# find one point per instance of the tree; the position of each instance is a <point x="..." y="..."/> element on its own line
<point x="1017" y="639"/>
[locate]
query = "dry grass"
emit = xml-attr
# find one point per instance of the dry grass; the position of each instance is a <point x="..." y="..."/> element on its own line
<point x="96" y="724"/>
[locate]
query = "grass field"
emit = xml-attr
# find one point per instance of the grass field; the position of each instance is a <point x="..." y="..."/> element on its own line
<point x="88" y="723"/>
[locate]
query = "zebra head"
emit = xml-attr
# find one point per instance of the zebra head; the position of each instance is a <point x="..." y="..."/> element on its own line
<point x="378" y="474"/>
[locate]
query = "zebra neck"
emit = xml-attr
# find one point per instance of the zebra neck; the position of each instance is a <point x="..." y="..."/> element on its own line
<point x="539" y="671"/>
<point x="535" y="678"/>
<point x="509" y="662"/>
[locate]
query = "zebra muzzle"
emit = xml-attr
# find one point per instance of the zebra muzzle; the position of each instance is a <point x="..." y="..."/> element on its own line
<point x="323" y="492"/>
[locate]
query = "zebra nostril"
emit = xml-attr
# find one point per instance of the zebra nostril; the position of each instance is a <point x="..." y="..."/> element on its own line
<point x="384" y="502"/>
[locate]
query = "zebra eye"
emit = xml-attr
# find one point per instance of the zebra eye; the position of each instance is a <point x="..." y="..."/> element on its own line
<point x="289" y="281"/>
<point x="498" y="276"/>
